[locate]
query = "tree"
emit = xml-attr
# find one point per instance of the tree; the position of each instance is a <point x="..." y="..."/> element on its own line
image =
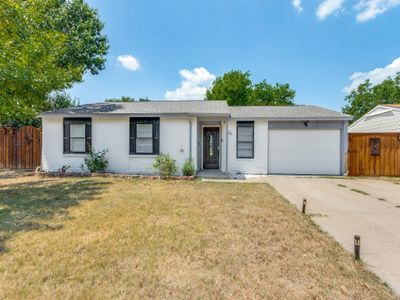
<point x="237" y="88"/>
<point x="234" y="87"/>
<point x="60" y="100"/>
<point x="122" y="99"/>
<point x="366" y="96"/>
<point x="41" y="51"/>
<point x="266" y="94"/>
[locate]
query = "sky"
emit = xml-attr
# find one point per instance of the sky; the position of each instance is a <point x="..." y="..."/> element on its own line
<point x="174" y="49"/>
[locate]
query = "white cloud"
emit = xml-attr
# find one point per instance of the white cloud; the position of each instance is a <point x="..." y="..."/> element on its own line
<point x="297" y="5"/>
<point x="369" y="9"/>
<point x="193" y="86"/>
<point x="328" y="7"/>
<point x="375" y="76"/>
<point x="129" y="62"/>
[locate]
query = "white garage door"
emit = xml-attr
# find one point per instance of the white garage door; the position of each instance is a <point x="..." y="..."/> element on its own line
<point x="304" y="152"/>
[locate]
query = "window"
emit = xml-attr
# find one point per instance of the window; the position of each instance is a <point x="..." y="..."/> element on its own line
<point x="144" y="136"/>
<point x="77" y="135"/>
<point x="375" y="146"/>
<point x="245" y="139"/>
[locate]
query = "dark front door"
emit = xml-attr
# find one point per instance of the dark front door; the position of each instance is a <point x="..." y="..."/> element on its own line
<point x="210" y="148"/>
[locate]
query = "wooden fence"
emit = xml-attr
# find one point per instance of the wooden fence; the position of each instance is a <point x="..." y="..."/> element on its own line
<point x="20" y="148"/>
<point x="373" y="154"/>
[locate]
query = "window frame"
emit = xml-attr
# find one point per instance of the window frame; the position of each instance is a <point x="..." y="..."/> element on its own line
<point x="67" y="138"/>
<point x="155" y="121"/>
<point x="238" y="123"/>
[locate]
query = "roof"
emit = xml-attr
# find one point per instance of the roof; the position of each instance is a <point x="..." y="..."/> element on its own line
<point x="199" y="108"/>
<point x="190" y="107"/>
<point x="287" y="112"/>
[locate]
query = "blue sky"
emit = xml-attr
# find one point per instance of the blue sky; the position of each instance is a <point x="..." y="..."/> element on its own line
<point x="180" y="46"/>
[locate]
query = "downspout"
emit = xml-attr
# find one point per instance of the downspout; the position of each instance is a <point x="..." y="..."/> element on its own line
<point x="226" y="145"/>
<point x="190" y="138"/>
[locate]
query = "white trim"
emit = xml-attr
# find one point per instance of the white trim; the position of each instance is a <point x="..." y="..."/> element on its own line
<point x="219" y="145"/>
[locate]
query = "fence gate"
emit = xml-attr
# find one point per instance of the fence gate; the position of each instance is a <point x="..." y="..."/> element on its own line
<point x="20" y="148"/>
<point x="374" y="154"/>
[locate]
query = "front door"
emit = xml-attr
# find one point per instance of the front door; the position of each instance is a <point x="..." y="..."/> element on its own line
<point x="211" y="147"/>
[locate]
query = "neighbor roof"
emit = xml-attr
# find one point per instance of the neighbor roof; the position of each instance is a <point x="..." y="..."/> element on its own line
<point x="308" y="112"/>
<point x="147" y="107"/>
<point x="392" y="105"/>
<point x="200" y="108"/>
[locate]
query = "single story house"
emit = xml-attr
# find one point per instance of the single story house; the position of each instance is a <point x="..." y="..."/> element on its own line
<point x="233" y="139"/>
<point x="374" y="142"/>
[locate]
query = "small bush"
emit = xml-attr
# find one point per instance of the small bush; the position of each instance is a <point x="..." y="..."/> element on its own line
<point x="188" y="168"/>
<point x="96" y="161"/>
<point x="165" y="165"/>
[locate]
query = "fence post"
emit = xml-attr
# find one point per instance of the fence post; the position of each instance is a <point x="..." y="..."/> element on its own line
<point x="357" y="246"/>
<point x="303" y="210"/>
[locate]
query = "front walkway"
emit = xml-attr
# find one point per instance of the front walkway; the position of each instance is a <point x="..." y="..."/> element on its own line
<point x="346" y="207"/>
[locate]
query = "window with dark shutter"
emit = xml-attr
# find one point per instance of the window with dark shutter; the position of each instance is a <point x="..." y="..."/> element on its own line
<point x="144" y="136"/>
<point x="77" y="135"/>
<point x="245" y="139"/>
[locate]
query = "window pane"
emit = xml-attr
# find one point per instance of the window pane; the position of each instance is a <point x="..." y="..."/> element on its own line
<point x="245" y="140"/>
<point x="77" y="145"/>
<point x="245" y="153"/>
<point x="77" y="130"/>
<point x="144" y="130"/>
<point x="245" y="134"/>
<point x="144" y="145"/>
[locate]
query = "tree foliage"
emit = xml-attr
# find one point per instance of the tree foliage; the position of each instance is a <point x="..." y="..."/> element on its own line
<point x="126" y="99"/>
<point x="122" y="99"/>
<point x="366" y="96"/>
<point x="60" y="100"/>
<point x="237" y="88"/>
<point x="45" y="46"/>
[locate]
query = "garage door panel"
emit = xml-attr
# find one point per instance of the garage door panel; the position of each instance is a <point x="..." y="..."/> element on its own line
<point x="304" y="152"/>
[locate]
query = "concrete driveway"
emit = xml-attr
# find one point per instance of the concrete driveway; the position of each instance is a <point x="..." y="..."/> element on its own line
<point x="345" y="207"/>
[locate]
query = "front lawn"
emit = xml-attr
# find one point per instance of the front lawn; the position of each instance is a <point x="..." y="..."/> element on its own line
<point x="132" y="238"/>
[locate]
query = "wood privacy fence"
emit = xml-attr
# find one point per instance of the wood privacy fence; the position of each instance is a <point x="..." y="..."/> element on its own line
<point x="20" y="148"/>
<point x="374" y="154"/>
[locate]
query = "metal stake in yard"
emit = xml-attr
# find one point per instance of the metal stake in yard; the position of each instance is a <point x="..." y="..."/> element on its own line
<point x="304" y="206"/>
<point x="357" y="245"/>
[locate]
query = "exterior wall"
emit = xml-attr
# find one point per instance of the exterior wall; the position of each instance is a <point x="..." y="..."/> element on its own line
<point x="112" y="133"/>
<point x="378" y="121"/>
<point x="256" y="165"/>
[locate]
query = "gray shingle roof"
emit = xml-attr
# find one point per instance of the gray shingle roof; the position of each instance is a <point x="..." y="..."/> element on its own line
<point x="202" y="108"/>
<point x="287" y="112"/>
<point x="147" y="107"/>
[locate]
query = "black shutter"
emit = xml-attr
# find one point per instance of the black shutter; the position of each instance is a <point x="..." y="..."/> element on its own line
<point x="66" y="138"/>
<point x="156" y="136"/>
<point x="88" y="135"/>
<point x="132" y="136"/>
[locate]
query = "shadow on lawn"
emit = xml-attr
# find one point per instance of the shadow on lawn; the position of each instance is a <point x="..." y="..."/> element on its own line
<point x="33" y="205"/>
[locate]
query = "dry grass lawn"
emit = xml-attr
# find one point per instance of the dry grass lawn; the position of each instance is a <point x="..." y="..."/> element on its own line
<point x="131" y="238"/>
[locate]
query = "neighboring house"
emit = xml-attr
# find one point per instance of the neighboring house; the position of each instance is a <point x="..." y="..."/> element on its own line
<point x="383" y="118"/>
<point x="241" y="139"/>
<point x="374" y="143"/>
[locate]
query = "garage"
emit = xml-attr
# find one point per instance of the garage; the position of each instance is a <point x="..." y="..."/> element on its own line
<point x="304" y="152"/>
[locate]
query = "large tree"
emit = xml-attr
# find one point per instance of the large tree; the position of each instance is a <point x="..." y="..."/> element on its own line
<point x="237" y="88"/>
<point x="366" y="96"/>
<point x="45" y="46"/>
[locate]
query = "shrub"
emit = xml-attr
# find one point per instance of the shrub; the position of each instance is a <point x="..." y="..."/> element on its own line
<point x="188" y="168"/>
<point x="96" y="161"/>
<point x="165" y="164"/>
